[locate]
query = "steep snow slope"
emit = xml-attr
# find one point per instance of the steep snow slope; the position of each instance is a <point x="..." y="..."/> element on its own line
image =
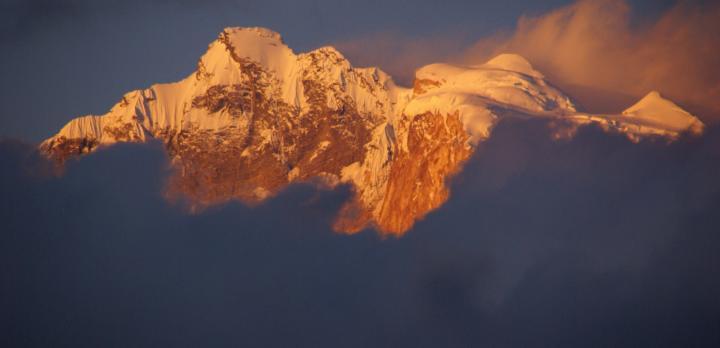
<point x="237" y="56"/>
<point x="651" y="116"/>
<point x="256" y="116"/>
<point x="661" y="113"/>
<point x="506" y="82"/>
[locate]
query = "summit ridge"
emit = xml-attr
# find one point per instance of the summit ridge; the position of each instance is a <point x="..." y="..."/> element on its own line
<point x="256" y="116"/>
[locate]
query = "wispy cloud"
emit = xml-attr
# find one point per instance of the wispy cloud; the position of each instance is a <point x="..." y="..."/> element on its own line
<point x="595" y="43"/>
<point x="599" y="51"/>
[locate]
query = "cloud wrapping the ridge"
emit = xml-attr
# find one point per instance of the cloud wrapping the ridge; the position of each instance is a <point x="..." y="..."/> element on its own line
<point x="595" y="43"/>
<point x="594" y="241"/>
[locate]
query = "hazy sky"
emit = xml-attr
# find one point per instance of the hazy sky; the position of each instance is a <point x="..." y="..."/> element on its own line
<point x="65" y="58"/>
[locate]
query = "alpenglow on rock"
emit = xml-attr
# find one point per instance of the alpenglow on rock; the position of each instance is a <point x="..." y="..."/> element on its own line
<point x="255" y="117"/>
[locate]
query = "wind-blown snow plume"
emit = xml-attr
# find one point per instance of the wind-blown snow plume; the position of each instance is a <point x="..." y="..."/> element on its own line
<point x="595" y="43"/>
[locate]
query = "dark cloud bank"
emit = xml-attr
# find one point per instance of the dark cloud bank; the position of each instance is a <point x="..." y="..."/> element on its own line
<point x="589" y="242"/>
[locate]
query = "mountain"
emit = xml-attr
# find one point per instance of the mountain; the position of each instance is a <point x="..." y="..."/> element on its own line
<point x="256" y="116"/>
<point x="654" y="109"/>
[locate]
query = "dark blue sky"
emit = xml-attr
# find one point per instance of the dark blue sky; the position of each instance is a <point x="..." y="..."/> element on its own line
<point x="65" y="58"/>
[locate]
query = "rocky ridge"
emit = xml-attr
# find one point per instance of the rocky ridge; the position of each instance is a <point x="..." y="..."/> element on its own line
<point x="255" y="117"/>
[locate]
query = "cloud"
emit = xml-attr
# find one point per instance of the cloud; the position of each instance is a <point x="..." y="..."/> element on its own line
<point x="593" y="241"/>
<point x="599" y="44"/>
<point x="602" y="52"/>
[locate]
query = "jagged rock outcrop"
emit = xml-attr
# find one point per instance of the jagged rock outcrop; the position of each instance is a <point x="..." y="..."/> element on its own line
<point x="256" y="116"/>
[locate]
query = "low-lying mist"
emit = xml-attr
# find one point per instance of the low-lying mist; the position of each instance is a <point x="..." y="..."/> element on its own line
<point x="593" y="241"/>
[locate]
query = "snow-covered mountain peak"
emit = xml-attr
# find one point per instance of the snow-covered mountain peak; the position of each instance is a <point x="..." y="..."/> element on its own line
<point x="513" y="62"/>
<point x="331" y="51"/>
<point x="508" y="80"/>
<point x="237" y="46"/>
<point x="253" y="33"/>
<point x="653" y="100"/>
<point x="256" y="117"/>
<point x="656" y="110"/>
<point x="477" y="93"/>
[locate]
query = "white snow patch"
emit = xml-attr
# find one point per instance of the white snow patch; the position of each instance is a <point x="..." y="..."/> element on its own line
<point x="658" y="111"/>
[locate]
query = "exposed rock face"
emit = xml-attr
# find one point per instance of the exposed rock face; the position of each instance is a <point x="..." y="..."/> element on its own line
<point x="256" y="117"/>
<point x="437" y="146"/>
